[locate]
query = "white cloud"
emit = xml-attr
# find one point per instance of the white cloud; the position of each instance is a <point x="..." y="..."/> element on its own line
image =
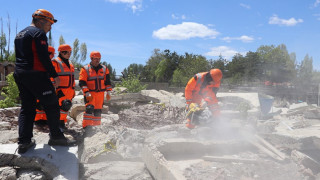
<point x="245" y="6"/>
<point x="317" y="16"/>
<point x="316" y="3"/>
<point x="178" y="17"/>
<point x="183" y="31"/>
<point x="133" y="4"/>
<point x="243" y="38"/>
<point x="290" y="22"/>
<point x="224" y="51"/>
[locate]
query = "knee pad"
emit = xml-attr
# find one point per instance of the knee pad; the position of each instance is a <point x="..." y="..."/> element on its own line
<point x="66" y="105"/>
<point x="89" y="109"/>
<point x="97" y="112"/>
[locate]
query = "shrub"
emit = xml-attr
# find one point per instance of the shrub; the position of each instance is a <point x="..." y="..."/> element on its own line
<point x="10" y="92"/>
<point x="132" y="83"/>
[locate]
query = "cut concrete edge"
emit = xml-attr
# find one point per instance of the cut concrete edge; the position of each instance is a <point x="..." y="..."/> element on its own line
<point x="158" y="165"/>
<point x="64" y="158"/>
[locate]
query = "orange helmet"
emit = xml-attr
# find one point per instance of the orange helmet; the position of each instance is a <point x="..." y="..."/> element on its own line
<point x="64" y="47"/>
<point x="44" y="14"/>
<point x="95" y="54"/>
<point x="51" y="49"/>
<point x="216" y="75"/>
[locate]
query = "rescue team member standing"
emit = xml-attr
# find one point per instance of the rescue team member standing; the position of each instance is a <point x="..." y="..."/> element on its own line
<point x="40" y="114"/>
<point x="65" y="91"/>
<point x="94" y="80"/>
<point x="204" y="86"/>
<point x="33" y="68"/>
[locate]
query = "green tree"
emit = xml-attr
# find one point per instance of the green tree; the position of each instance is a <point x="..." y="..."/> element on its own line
<point x="83" y="52"/>
<point x="151" y="65"/>
<point x="167" y="66"/>
<point x="188" y="66"/>
<point x="61" y="40"/>
<point x="112" y="71"/>
<point x="220" y="63"/>
<point x="75" y="52"/>
<point x="136" y="69"/>
<point x="277" y="64"/>
<point x="305" y="72"/>
<point x="132" y="83"/>
<point x="3" y="42"/>
<point x="10" y="93"/>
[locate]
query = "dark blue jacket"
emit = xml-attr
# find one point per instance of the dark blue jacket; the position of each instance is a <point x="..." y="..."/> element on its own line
<point x="31" y="46"/>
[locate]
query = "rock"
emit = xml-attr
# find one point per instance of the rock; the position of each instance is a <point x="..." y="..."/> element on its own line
<point x="76" y="109"/>
<point x="312" y="114"/>
<point x="5" y="126"/>
<point x="8" y="173"/>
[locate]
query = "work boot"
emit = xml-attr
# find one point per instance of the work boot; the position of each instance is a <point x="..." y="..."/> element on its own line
<point x="22" y="148"/>
<point x="63" y="141"/>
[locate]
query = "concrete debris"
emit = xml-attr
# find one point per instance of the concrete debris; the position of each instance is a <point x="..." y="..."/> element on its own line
<point x="143" y="136"/>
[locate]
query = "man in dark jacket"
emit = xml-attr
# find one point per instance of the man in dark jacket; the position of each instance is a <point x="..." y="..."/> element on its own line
<point x="32" y="75"/>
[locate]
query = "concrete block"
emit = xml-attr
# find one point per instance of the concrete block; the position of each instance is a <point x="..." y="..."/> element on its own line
<point x="65" y="158"/>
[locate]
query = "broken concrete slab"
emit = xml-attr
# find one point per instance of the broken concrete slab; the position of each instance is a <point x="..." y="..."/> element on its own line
<point x="136" y="97"/>
<point x="65" y="159"/>
<point x="115" y="170"/>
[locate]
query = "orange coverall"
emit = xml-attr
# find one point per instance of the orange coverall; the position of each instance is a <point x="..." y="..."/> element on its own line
<point x="195" y="92"/>
<point x="93" y="80"/>
<point x="67" y="84"/>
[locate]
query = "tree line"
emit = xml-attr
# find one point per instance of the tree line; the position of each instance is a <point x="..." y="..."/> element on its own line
<point x="270" y="63"/>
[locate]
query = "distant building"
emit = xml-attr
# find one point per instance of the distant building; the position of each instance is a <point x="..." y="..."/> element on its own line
<point x="5" y="69"/>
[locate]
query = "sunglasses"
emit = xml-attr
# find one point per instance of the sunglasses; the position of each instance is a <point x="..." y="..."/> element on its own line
<point x="50" y="53"/>
<point x="65" y="52"/>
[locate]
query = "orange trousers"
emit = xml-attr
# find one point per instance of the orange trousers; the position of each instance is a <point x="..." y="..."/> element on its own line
<point x="93" y="119"/>
<point x="69" y="93"/>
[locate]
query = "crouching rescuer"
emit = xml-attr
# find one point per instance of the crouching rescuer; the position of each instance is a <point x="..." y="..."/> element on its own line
<point x="200" y="93"/>
<point x="94" y="80"/>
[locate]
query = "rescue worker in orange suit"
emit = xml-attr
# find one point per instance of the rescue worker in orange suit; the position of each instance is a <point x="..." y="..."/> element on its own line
<point x="65" y="91"/>
<point x="202" y="89"/>
<point x="41" y="117"/>
<point x="32" y="75"/>
<point x="94" y="80"/>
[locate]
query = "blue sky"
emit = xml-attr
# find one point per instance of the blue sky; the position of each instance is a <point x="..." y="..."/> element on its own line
<point x="127" y="31"/>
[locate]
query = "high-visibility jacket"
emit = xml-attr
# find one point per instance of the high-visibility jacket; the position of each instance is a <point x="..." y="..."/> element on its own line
<point x="67" y="84"/>
<point x="65" y="73"/>
<point x="195" y="92"/>
<point x="95" y="80"/>
<point x="95" y="83"/>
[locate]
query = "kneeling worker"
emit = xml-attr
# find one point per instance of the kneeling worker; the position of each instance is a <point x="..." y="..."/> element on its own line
<point x="204" y="87"/>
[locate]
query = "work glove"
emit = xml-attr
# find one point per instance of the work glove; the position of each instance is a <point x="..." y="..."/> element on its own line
<point x="108" y="96"/>
<point x="60" y="94"/>
<point x="56" y="82"/>
<point x="88" y="97"/>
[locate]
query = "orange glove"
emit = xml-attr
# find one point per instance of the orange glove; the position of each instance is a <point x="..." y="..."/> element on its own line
<point x="108" y="96"/>
<point x="88" y="97"/>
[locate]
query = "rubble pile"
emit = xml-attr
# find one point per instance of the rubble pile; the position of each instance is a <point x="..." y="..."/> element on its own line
<point x="144" y="137"/>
